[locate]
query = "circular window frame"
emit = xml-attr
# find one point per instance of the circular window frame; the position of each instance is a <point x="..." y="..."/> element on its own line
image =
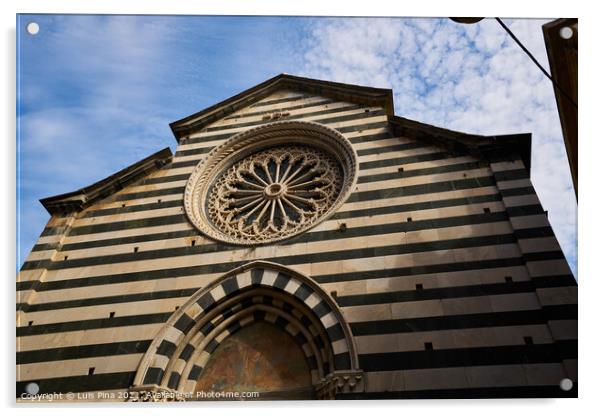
<point x="246" y="143"/>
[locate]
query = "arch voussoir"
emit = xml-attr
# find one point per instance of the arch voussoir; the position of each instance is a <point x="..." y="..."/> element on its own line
<point x="258" y="291"/>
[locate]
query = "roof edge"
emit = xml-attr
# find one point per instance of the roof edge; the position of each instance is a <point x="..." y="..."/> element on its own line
<point x="349" y="92"/>
<point x="77" y="201"/>
<point x="493" y="148"/>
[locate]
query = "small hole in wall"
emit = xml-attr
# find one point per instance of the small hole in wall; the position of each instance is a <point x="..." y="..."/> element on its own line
<point x="158" y="201"/>
<point x="333" y="293"/>
<point x="122" y="205"/>
<point x="177" y="307"/>
<point x="343" y="227"/>
<point x="193" y="243"/>
<point x="400" y="170"/>
<point x="508" y="279"/>
<point x="428" y="346"/>
<point x="135" y="249"/>
<point x="409" y="219"/>
<point x="30" y="323"/>
<point x="91" y="371"/>
<point x="367" y="110"/>
<point x="487" y="210"/>
<point x="528" y="340"/>
<point x="419" y="286"/>
<point x="66" y="257"/>
<point x="112" y="315"/>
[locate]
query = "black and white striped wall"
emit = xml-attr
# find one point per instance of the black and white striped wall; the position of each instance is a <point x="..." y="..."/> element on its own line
<point x="446" y="272"/>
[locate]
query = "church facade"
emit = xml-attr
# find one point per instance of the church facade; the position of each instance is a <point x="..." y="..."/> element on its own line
<point x="303" y="242"/>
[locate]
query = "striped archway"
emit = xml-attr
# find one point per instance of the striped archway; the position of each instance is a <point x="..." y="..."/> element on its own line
<point x="257" y="291"/>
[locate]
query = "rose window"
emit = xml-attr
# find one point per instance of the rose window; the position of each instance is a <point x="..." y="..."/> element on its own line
<point x="270" y="183"/>
<point x="273" y="193"/>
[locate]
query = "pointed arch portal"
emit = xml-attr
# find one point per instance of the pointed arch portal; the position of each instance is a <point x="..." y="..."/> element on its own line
<point x="255" y="301"/>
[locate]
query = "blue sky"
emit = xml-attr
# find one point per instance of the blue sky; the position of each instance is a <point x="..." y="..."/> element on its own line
<point x="96" y="93"/>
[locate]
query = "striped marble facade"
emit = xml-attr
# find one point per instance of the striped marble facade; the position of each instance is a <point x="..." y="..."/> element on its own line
<point x="441" y="263"/>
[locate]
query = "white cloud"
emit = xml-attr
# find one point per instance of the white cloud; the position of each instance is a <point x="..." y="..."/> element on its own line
<point x="470" y="78"/>
<point x="96" y="115"/>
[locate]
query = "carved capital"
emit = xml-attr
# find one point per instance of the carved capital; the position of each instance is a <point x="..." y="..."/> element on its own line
<point x="340" y="382"/>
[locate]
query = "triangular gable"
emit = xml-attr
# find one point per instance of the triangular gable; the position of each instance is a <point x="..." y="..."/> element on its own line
<point x="490" y="147"/>
<point x="487" y="147"/>
<point x="343" y="92"/>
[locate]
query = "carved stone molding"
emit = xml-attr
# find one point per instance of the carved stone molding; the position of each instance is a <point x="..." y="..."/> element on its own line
<point x="271" y="182"/>
<point x="340" y="382"/>
<point x="300" y="305"/>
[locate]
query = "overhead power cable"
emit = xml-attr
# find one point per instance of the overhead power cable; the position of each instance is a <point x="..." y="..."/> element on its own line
<point x="507" y="29"/>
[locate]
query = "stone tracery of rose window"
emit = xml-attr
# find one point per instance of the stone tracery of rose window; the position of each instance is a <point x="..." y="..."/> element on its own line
<point x="271" y="183"/>
<point x="274" y="193"/>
